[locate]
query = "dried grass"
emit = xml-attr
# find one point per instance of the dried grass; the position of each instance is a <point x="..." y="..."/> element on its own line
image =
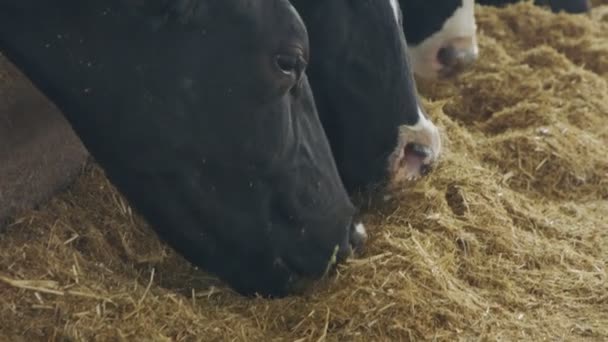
<point x="506" y="240"/>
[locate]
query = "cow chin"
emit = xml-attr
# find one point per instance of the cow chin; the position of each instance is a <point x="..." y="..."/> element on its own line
<point x="296" y="273"/>
<point x="418" y="149"/>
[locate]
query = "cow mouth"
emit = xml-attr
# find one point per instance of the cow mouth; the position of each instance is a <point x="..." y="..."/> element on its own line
<point x="416" y="153"/>
<point x="446" y="73"/>
<point x="414" y="161"/>
<point x="300" y="281"/>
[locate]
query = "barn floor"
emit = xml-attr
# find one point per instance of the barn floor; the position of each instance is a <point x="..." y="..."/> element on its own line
<point x="506" y="240"/>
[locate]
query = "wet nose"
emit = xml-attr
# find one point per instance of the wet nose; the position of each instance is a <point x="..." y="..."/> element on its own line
<point x="418" y="152"/>
<point x="457" y="55"/>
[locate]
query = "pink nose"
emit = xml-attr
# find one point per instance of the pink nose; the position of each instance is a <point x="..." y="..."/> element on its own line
<point x="417" y="153"/>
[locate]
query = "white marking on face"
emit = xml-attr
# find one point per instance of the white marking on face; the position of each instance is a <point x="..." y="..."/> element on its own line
<point x="358" y="236"/>
<point x="426" y="133"/>
<point x="460" y="27"/>
<point x="423" y="122"/>
<point x="395" y="6"/>
<point x="360" y="230"/>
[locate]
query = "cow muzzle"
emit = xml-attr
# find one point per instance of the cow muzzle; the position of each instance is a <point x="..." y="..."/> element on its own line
<point x="300" y="281"/>
<point x="456" y="56"/>
<point x="355" y="240"/>
<point x="417" y="151"/>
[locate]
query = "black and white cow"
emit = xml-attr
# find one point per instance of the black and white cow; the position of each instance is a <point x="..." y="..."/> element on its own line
<point x="200" y="112"/>
<point x="441" y="35"/>
<point x="365" y="93"/>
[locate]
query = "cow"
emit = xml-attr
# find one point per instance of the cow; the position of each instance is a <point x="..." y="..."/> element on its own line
<point x="365" y="94"/>
<point x="39" y="152"/>
<point x="219" y="146"/>
<point x="362" y="114"/>
<point x="200" y="112"/>
<point x="441" y="36"/>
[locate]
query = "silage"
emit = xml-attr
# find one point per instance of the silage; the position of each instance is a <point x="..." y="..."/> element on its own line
<point x="506" y="239"/>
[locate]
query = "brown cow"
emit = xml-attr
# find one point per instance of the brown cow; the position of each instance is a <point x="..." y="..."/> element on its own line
<point x="39" y="152"/>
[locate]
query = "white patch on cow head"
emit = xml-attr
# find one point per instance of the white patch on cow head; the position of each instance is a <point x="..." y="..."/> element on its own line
<point x="459" y="30"/>
<point x="396" y="9"/>
<point x="358" y="236"/>
<point x="360" y="230"/>
<point x="404" y="166"/>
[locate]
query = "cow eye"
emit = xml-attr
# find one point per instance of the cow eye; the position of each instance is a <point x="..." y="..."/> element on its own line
<point x="292" y="64"/>
<point x="287" y="63"/>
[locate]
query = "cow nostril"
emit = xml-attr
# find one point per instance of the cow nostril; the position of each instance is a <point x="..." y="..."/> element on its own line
<point x="447" y="56"/>
<point x="425" y="169"/>
<point x="456" y="57"/>
<point x="416" y="150"/>
<point x="415" y="156"/>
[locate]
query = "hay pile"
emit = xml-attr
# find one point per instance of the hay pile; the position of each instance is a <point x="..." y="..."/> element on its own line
<point x="507" y="239"/>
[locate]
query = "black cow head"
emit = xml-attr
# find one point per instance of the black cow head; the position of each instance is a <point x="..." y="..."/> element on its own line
<point x="200" y="112"/>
